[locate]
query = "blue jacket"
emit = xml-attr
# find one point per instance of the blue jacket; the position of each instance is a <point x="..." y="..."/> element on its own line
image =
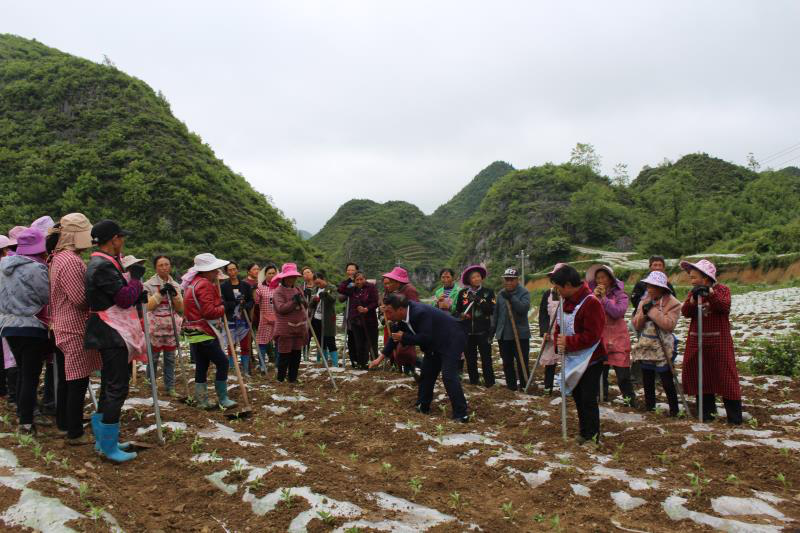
<point x="434" y="331"/>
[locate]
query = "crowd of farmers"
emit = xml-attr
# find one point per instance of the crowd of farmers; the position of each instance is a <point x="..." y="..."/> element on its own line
<point x="71" y="319"/>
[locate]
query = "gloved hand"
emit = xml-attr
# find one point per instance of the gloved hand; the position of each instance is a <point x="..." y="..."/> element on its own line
<point x="143" y="296"/>
<point x="297" y="299"/>
<point x="168" y="290"/>
<point x="136" y="271"/>
<point x="700" y="291"/>
<point x="470" y="296"/>
<point x="647" y="307"/>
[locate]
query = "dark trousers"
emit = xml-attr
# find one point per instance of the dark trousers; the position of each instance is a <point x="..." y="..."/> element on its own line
<point x="549" y="376"/>
<point x="70" y="397"/>
<point x="366" y="343"/>
<point x="624" y="382"/>
<point x="114" y="379"/>
<point x="288" y="362"/>
<point x="12" y="378"/>
<point x="48" y="392"/>
<point x="585" y="396"/>
<point x="328" y="340"/>
<point x="649" y="386"/>
<point x="475" y="344"/>
<point x="208" y="352"/>
<point x="351" y="347"/>
<point x="432" y="364"/>
<point x="3" y="386"/>
<point x="733" y="409"/>
<point x="515" y="377"/>
<point x="29" y="352"/>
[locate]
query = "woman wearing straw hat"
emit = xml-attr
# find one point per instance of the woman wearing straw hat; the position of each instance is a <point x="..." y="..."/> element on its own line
<point x="475" y="306"/>
<point x="655" y="319"/>
<point x="291" y="324"/>
<point x="616" y="338"/>
<point x="720" y="375"/>
<point x="397" y="281"/>
<point x="203" y="308"/>
<point x="266" y="316"/>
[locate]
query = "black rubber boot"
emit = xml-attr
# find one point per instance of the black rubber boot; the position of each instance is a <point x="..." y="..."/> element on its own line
<point x="733" y="409"/>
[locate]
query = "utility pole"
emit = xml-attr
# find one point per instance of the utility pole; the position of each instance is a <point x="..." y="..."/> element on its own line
<point x="522" y="258"/>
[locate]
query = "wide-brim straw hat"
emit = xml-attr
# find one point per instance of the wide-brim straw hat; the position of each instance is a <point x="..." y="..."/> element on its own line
<point x="207" y="262"/>
<point x="129" y="260"/>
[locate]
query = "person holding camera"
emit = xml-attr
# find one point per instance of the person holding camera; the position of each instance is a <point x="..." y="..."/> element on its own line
<point x="720" y="376"/>
<point x="109" y="295"/>
<point x="164" y="304"/>
<point x="291" y="323"/>
<point x="655" y="319"/>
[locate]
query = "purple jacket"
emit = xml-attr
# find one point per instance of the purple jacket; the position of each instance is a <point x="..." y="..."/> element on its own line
<point x="366" y="296"/>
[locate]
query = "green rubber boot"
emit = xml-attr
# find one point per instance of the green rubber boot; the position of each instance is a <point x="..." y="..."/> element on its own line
<point x="222" y="394"/>
<point x="201" y="395"/>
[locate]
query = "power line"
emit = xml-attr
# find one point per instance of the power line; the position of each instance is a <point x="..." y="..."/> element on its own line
<point x="780" y="153"/>
<point x="787" y="161"/>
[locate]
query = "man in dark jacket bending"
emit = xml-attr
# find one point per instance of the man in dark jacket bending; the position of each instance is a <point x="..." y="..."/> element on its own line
<point x="440" y="337"/>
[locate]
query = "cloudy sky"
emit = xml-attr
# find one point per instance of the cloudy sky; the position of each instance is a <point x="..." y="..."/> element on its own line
<point x="316" y="103"/>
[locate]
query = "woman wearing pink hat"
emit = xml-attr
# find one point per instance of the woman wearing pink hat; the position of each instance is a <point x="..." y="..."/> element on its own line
<point x="397" y="282"/>
<point x="475" y="306"/>
<point x="291" y="317"/>
<point x="720" y="375"/>
<point x="655" y="318"/>
<point x="611" y="293"/>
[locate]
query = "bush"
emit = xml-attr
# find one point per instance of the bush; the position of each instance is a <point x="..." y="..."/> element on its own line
<point x="776" y="356"/>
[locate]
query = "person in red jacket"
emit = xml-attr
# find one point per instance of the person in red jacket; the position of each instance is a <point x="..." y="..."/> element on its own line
<point x="203" y="310"/>
<point x="585" y="319"/>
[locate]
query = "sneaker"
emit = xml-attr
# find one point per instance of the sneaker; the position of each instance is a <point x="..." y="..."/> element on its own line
<point x="424" y="410"/>
<point x="462" y="419"/>
<point x="79" y="441"/>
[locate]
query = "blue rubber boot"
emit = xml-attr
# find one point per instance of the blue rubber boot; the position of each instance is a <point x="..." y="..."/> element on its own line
<point x="222" y="394"/>
<point x="109" y="444"/>
<point x="96" y="419"/>
<point x="246" y="365"/>
<point x="334" y="358"/>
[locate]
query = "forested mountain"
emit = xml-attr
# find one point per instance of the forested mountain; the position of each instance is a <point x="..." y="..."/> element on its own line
<point x="451" y="216"/>
<point x="379" y="236"/>
<point x="81" y="136"/>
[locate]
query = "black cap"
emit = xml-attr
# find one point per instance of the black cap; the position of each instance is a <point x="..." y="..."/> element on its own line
<point x="105" y="230"/>
<point x="511" y="273"/>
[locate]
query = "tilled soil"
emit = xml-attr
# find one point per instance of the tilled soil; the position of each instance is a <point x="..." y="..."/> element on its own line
<point x="361" y="459"/>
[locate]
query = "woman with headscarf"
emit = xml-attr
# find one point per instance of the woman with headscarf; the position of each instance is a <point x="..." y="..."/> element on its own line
<point x="69" y="313"/>
<point x="24" y="295"/>
<point x="266" y="323"/>
<point x="164" y="308"/>
<point x="291" y="324"/>
<point x="616" y="338"/>
<point x="475" y="306"/>
<point x="720" y="375"/>
<point x="655" y="319"/>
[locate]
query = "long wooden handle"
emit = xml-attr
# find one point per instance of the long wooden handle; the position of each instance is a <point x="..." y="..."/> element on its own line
<point x="232" y="348"/>
<point x="516" y="340"/>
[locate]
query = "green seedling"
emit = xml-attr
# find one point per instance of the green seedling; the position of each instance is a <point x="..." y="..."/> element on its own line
<point x="455" y="499"/>
<point x="443" y="408"/>
<point x="780" y="477"/>
<point x="65" y="463"/>
<point x="238" y="467"/>
<point x="416" y="485"/>
<point x="354" y="457"/>
<point x="395" y="399"/>
<point x="255" y="484"/>
<point x="96" y="512"/>
<point x="659" y="411"/>
<point x="37" y="450"/>
<point x="49" y="457"/>
<point x="732" y="479"/>
<point x="138" y="414"/>
<point x="530" y="448"/>
<point x="326" y="517"/>
<point x="323" y="448"/>
<point x="299" y="434"/>
<point x="618" y="451"/>
<point x="698" y="466"/>
<point x="25" y="440"/>
<point x="525" y="432"/>
<point x="282" y="425"/>
<point x="555" y="523"/>
<point x="753" y="422"/>
<point x="538" y="518"/>
<point x="386" y="467"/>
<point x="664" y="458"/>
<point x="508" y="510"/>
<point x="352" y="530"/>
<point x="379" y="413"/>
<point x="83" y="491"/>
<point x="177" y="433"/>
<point x="197" y="445"/>
<point x="287" y="497"/>
<point x="784" y="452"/>
<point x="214" y="456"/>
<point x="5" y="419"/>
<point x="564" y="460"/>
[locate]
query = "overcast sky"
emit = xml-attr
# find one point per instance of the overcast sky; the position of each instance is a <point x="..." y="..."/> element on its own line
<point x="316" y="103"/>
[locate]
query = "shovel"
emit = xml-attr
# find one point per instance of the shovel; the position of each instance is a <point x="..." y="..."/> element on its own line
<point x="247" y="411"/>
